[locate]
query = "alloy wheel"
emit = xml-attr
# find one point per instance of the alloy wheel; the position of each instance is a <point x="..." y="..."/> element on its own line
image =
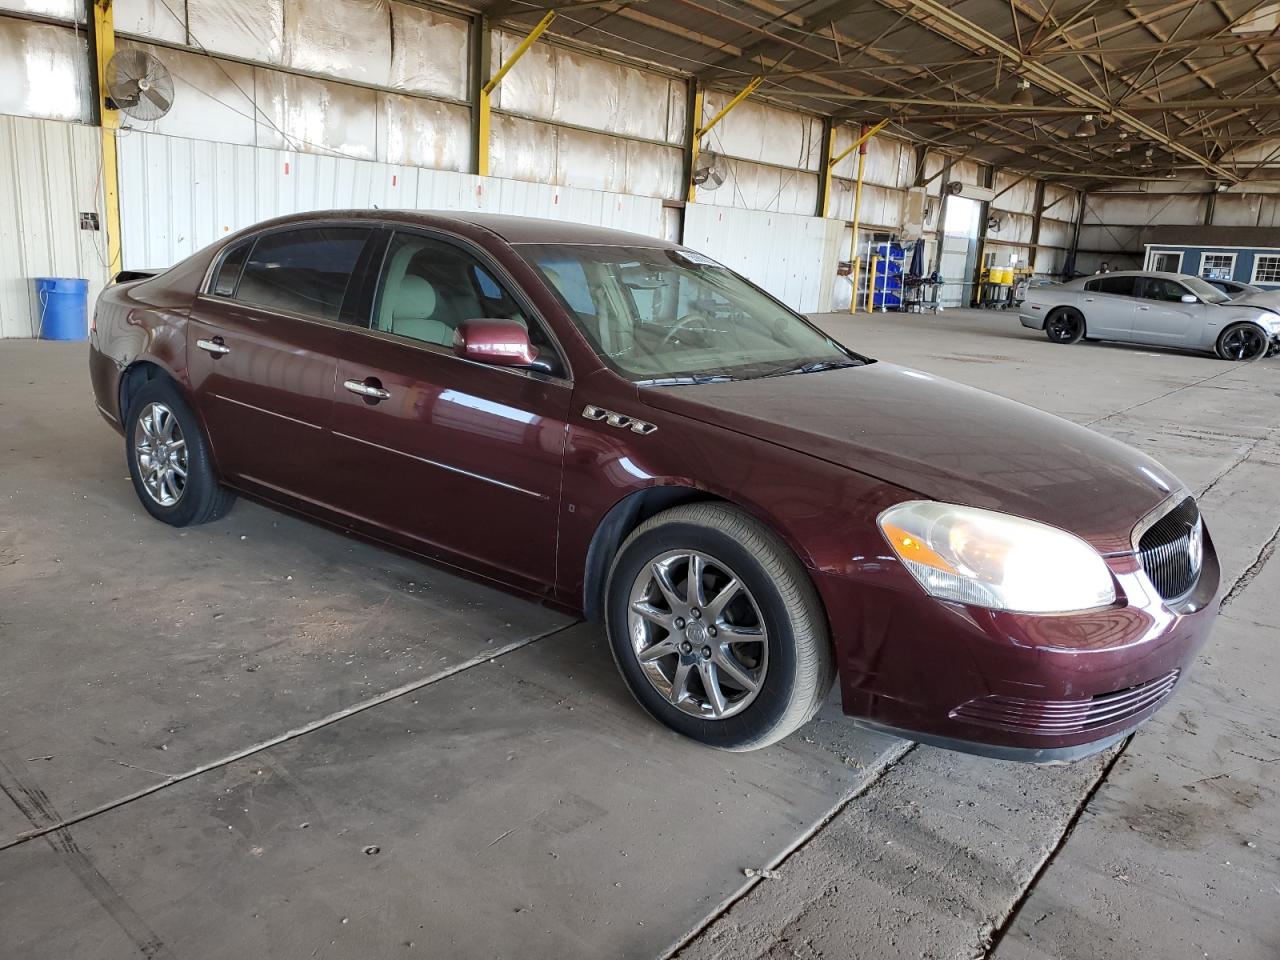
<point x="698" y="634"/>
<point x="1243" y="343"/>
<point x="160" y="451"/>
<point x="1062" y="327"/>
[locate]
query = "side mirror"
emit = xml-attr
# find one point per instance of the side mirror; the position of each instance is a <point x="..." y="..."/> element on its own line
<point x="503" y="343"/>
<point x="1190" y="298"/>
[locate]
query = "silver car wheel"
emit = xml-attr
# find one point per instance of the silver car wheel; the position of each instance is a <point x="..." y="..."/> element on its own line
<point x="160" y="453"/>
<point x="698" y="635"/>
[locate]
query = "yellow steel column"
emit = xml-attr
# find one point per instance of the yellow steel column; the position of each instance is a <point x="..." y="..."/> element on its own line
<point x="105" y="47"/>
<point x="861" y="146"/>
<point x="857" y="223"/>
<point x="700" y="132"/>
<point x="482" y="167"/>
<point x="697" y="142"/>
<point x="829" y="166"/>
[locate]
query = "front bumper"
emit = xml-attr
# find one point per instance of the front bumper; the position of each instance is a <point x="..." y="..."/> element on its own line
<point x="1016" y="686"/>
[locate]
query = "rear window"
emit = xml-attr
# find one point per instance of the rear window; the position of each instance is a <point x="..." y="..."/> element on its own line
<point x="302" y="271"/>
<point x="1121" y="286"/>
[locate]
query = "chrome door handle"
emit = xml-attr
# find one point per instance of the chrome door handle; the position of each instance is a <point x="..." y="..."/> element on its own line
<point x="1088" y="299"/>
<point x="215" y="347"/>
<point x="355" y="386"/>
<point x="1144" y="308"/>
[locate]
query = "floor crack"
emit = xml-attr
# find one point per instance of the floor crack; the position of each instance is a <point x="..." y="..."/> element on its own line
<point x="1246" y="578"/>
<point x="887" y="761"/>
<point x="1005" y="922"/>
<point x="58" y="824"/>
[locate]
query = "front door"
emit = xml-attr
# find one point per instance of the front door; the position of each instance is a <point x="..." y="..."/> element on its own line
<point x="261" y="349"/>
<point x="1165" y="261"/>
<point x="1162" y="318"/>
<point x="459" y="460"/>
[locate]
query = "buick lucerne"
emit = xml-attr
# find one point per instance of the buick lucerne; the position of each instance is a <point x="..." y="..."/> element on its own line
<point x="625" y="429"/>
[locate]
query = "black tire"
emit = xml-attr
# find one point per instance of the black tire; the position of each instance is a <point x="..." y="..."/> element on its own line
<point x="1065" y="325"/>
<point x="1242" y="342"/>
<point x="800" y="664"/>
<point x="200" y="498"/>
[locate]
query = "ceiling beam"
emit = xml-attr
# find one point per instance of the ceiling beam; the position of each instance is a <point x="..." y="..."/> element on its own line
<point x="945" y="22"/>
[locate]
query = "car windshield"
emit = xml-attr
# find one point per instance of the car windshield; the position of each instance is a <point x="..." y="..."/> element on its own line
<point x="1205" y="291"/>
<point x="674" y="316"/>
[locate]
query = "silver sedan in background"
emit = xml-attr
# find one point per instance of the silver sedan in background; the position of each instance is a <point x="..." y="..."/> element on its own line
<point x="1159" y="309"/>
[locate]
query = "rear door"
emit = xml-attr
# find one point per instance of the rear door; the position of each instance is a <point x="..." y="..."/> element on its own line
<point x="262" y="344"/>
<point x="1108" y="305"/>
<point x="1162" y="318"/>
<point x="459" y="460"/>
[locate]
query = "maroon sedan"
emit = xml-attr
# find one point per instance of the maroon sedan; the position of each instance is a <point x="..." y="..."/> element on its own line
<point x="624" y="428"/>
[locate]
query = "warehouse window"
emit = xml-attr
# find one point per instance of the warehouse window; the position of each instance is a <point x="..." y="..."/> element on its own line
<point x="1266" y="268"/>
<point x="302" y="271"/>
<point x="1217" y="266"/>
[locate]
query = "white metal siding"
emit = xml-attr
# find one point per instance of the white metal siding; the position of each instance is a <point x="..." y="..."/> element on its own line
<point x="49" y="174"/>
<point x="792" y="257"/>
<point x="179" y="195"/>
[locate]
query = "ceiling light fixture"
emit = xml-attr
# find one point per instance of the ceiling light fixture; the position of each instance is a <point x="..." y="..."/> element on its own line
<point x="1022" y="96"/>
<point x="1087" y="127"/>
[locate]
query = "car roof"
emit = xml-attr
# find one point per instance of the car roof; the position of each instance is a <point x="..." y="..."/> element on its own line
<point x="510" y="228"/>
<point x="1141" y="273"/>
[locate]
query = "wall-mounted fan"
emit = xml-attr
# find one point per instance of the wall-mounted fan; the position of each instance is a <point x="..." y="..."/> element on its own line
<point x="138" y="84"/>
<point x="709" y="172"/>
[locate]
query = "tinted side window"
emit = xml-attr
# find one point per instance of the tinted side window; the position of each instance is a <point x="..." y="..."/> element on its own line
<point x="302" y="271"/>
<point x="1092" y="285"/>
<point x="428" y="287"/>
<point x="1120" y="286"/>
<point x="224" y="284"/>
<point x="1158" y="288"/>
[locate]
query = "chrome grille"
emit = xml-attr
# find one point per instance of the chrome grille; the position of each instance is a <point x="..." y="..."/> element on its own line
<point x="1057" y="717"/>
<point x="1172" y="549"/>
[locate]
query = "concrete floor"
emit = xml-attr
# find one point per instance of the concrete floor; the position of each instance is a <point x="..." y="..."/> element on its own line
<point x="259" y="738"/>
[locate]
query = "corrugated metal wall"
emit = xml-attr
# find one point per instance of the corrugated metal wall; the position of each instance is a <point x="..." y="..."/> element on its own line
<point x="178" y="195"/>
<point x="792" y="257"/>
<point x="49" y="175"/>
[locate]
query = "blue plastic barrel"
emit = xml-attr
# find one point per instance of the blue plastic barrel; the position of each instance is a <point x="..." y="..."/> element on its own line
<point x="64" y="308"/>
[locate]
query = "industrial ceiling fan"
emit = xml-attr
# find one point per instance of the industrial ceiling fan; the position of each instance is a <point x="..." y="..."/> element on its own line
<point x="139" y="85"/>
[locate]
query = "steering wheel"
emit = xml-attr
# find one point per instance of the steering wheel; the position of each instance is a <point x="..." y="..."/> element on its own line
<point x="683" y="322"/>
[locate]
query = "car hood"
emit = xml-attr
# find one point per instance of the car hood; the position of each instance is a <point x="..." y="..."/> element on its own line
<point x="944" y="441"/>
<point x="1269" y="300"/>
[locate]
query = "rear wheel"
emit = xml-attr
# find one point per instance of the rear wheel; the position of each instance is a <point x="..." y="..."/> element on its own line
<point x="169" y="460"/>
<point x="717" y="628"/>
<point x="1065" y="325"/>
<point x="1242" y="341"/>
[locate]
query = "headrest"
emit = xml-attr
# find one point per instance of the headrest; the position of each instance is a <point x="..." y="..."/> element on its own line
<point x="415" y="299"/>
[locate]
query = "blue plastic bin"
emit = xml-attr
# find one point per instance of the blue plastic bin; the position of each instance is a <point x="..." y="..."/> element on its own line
<point x="63" y="308"/>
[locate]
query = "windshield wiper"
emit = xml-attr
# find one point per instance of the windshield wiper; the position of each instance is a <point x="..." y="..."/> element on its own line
<point x="681" y="381"/>
<point x="814" y="367"/>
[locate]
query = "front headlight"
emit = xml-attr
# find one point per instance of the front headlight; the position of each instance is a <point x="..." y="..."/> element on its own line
<point x="991" y="559"/>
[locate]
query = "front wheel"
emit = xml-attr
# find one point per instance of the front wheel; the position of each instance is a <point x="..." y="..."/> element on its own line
<point x="716" y="627"/>
<point x="1065" y="326"/>
<point x="1242" y="341"/>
